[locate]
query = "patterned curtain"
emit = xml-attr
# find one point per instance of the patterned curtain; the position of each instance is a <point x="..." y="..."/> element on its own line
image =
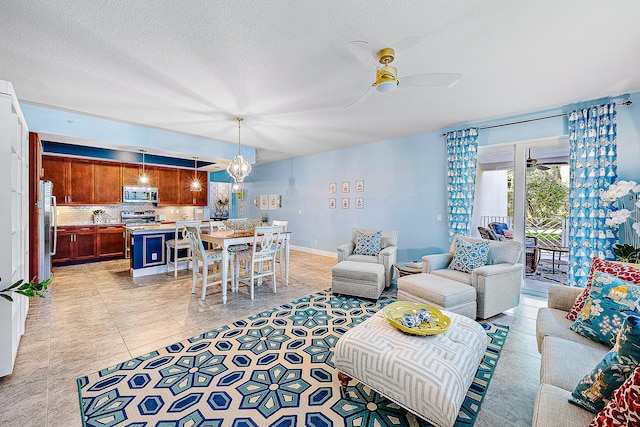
<point x="592" y="141"/>
<point x="462" y="154"/>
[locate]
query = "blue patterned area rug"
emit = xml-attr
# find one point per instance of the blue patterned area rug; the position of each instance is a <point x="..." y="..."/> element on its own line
<point x="271" y="369"/>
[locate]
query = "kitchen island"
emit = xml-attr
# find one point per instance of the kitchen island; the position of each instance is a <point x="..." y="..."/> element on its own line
<point x="148" y="248"/>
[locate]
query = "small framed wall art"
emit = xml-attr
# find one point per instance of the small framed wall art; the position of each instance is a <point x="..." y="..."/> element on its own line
<point x="345" y="203"/>
<point x="346" y="187"/>
<point x="359" y="202"/>
<point x="273" y="202"/>
<point x="264" y="202"/>
<point x="360" y="186"/>
<point x="333" y="187"/>
<point x="332" y="203"/>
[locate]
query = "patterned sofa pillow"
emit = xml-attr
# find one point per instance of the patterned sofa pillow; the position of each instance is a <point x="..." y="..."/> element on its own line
<point x="367" y="243"/>
<point x="595" y="389"/>
<point x="611" y="300"/>
<point x="468" y="256"/>
<point x="624" y="407"/>
<point x="624" y="272"/>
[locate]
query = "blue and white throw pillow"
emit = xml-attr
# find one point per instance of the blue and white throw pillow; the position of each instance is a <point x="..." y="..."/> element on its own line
<point x="367" y="244"/>
<point x="610" y="301"/>
<point x="467" y="256"/>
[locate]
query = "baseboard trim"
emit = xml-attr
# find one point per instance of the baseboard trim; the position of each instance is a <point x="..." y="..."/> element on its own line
<point x="314" y="251"/>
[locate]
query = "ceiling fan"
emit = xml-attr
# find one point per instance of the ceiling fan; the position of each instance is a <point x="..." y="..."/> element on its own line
<point x="387" y="75"/>
<point x="534" y="164"/>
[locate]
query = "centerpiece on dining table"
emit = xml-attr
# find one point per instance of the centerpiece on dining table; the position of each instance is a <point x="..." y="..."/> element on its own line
<point x="242" y="228"/>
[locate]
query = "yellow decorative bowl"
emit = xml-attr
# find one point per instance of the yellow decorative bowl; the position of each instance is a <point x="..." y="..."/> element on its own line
<point x="438" y="323"/>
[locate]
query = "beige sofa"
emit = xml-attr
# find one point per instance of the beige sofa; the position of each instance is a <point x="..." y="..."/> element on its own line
<point x="497" y="284"/>
<point x="566" y="357"/>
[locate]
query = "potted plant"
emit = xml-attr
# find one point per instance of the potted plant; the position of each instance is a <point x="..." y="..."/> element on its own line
<point x="29" y="289"/>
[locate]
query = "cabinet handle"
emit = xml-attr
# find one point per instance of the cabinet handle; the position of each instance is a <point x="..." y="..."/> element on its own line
<point x="85" y="228"/>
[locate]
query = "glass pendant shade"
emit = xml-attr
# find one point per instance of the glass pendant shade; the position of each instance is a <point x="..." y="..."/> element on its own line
<point x="239" y="168"/>
<point x="195" y="183"/>
<point x="143" y="179"/>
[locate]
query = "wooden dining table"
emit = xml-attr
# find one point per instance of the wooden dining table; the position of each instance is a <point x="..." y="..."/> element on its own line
<point x="225" y="239"/>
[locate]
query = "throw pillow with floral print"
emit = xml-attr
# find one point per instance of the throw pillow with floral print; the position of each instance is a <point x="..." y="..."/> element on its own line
<point x="610" y="301"/>
<point x="624" y="272"/>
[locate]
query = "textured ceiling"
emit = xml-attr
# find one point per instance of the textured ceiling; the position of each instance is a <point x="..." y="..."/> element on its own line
<point x="192" y="66"/>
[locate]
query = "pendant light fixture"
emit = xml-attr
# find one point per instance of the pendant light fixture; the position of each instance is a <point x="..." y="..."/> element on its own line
<point x="143" y="179"/>
<point x="239" y="168"/>
<point x="195" y="183"/>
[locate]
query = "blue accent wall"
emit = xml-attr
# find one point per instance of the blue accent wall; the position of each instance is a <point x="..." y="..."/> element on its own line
<point x="49" y="147"/>
<point x="405" y="183"/>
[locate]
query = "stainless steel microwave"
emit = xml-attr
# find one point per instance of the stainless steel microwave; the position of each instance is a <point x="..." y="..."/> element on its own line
<point x="139" y="194"/>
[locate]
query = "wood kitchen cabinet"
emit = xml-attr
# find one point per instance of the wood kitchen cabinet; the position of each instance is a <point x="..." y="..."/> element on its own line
<point x="107" y="186"/>
<point x="75" y="243"/>
<point x="81" y="182"/>
<point x="131" y="172"/>
<point x="110" y="241"/>
<point x="193" y="198"/>
<point x="73" y="179"/>
<point x="57" y="170"/>
<point x="89" y="182"/>
<point x="202" y="197"/>
<point x="168" y="186"/>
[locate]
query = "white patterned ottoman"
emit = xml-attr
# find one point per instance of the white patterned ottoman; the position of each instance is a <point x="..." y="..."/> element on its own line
<point x="358" y="279"/>
<point x="427" y="375"/>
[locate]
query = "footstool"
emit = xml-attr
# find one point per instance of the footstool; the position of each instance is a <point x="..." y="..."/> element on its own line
<point x="427" y="375"/>
<point x="359" y="279"/>
<point x="440" y="292"/>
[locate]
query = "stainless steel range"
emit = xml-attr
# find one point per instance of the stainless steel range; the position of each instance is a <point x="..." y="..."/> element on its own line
<point x="135" y="218"/>
<point x="138" y="217"/>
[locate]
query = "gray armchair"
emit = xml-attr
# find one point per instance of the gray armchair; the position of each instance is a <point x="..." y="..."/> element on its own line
<point x="387" y="255"/>
<point x="497" y="284"/>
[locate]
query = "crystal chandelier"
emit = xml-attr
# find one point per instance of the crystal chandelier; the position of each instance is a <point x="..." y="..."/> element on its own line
<point x="195" y="183"/>
<point x="239" y="168"/>
<point x="143" y="179"/>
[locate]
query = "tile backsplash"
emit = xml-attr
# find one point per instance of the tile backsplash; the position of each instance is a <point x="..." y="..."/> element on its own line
<point x="79" y="215"/>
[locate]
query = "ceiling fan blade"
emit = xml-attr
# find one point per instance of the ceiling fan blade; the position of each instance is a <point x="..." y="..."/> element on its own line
<point x="362" y="51"/>
<point x="542" y="167"/>
<point x="431" y="80"/>
<point x="363" y="97"/>
<point x="553" y="163"/>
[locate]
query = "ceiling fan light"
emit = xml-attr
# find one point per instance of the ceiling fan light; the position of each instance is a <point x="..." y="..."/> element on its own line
<point x="387" y="86"/>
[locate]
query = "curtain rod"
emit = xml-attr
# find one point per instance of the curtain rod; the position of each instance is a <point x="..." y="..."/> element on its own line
<point x="626" y="104"/>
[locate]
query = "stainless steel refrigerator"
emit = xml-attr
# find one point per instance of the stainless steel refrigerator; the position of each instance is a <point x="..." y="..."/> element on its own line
<point x="48" y="224"/>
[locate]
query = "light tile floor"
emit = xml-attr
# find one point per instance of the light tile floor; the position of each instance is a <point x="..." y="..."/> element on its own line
<point x="96" y="315"/>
